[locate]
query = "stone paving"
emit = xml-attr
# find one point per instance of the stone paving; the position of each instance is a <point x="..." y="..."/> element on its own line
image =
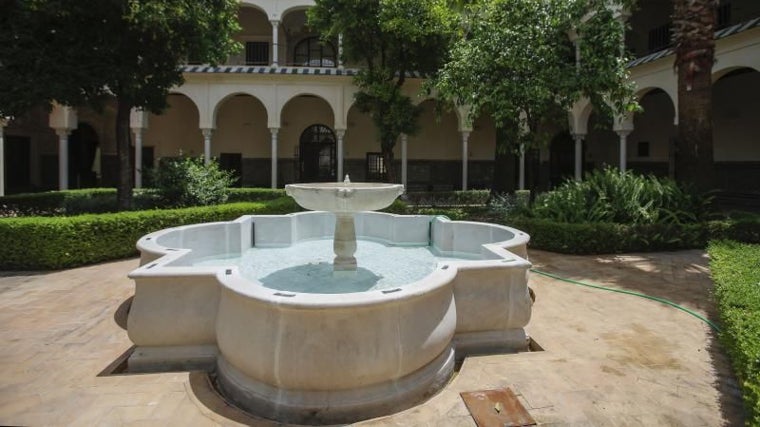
<point x="609" y="359"/>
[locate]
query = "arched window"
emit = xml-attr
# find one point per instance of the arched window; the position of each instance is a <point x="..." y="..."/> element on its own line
<point x="312" y="52"/>
<point x="317" y="154"/>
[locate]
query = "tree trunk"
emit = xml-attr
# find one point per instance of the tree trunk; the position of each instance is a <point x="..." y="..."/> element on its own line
<point x="694" y="23"/>
<point x="503" y="165"/>
<point x="390" y="169"/>
<point x="124" y="184"/>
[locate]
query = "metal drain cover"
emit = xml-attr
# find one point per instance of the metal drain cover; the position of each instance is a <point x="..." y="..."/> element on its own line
<point x="500" y="407"/>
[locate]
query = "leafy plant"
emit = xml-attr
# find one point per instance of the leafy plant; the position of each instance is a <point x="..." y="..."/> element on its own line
<point x="624" y="198"/>
<point x="187" y="181"/>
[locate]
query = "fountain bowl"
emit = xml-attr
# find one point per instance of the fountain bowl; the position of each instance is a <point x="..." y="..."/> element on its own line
<point x="344" y="197"/>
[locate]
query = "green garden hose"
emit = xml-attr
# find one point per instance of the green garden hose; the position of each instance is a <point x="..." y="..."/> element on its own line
<point x="623" y="291"/>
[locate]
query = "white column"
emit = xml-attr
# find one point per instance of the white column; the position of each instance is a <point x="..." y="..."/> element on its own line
<point x="2" y="158"/>
<point x="206" y="145"/>
<point x="403" y="160"/>
<point x="63" y="158"/>
<point x="275" y="41"/>
<point x="340" y="50"/>
<point x="521" y="181"/>
<point x="274" y="132"/>
<point x="578" y="155"/>
<point x="339" y="133"/>
<point x="623" y="147"/>
<point x="138" y="156"/>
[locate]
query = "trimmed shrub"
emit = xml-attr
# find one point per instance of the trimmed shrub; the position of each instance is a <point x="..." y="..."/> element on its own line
<point x="605" y="237"/>
<point x="188" y="181"/>
<point x="447" y="198"/>
<point x="43" y="243"/>
<point x="734" y="268"/>
<point x="254" y="194"/>
<point x="73" y="202"/>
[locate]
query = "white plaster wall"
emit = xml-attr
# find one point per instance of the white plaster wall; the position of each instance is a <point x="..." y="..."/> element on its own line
<point x="736" y="117"/>
<point x="174" y="130"/>
<point x="362" y="136"/>
<point x="438" y="137"/>
<point x="654" y="125"/>
<point x="241" y="127"/>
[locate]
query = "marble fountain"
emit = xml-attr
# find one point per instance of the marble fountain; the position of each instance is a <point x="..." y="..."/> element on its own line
<point x="292" y="332"/>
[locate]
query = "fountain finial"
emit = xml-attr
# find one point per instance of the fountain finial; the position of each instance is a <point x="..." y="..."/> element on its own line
<point x="346" y="180"/>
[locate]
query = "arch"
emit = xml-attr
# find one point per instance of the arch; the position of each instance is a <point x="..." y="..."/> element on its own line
<point x="579" y="116"/>
<point x="736" y="107"/>
<point x="217" y="105"/>
<point x="312" y="52"/>
<point x="294" y="6"/>
<point x="650" y="144"/>
<point x="241" y="128"/>
<point x="317" y="154"/>
<point x="726" y="70"/>
<point x="176" y="130"/>
<point x="329" y="95"/>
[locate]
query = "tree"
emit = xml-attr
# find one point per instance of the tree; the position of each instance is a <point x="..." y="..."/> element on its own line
<point x="694" y="39"/>
<point x="516" y="63"/>
<point x="82" y="53"/>
<point x="388" y="39"/>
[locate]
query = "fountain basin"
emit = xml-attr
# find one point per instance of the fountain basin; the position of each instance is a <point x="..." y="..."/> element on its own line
<point x="300" y="357"/>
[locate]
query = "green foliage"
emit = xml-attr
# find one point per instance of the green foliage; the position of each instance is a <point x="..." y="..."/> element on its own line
<point x="43" y="243"/>
<point x="734" y="268"/>
<point x="79" y="52"/>
<point x="254" y="194"/>
<point x="514" y="62"/>
<point x="100" y="200"/>
<point x="447" y="198"/>
<point x="624" y="198"/>
<point x="187" y="181"/>
<point x="388" y="39"/>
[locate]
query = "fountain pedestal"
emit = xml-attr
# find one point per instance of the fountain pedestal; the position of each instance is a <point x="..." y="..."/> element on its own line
<point x="344" y="243"/>
<point x="344" y="199"/>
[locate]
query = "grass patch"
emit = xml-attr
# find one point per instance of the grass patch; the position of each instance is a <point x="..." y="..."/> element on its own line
<point x="735" y="270"/>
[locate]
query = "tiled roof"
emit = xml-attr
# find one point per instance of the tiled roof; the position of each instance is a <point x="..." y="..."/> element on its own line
<point x="725" y="32"/>
<point x="258" y="69"/>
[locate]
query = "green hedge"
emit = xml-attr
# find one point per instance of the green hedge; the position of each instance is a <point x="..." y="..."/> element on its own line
<point x="43" y="243"/>
<point x="101" y="200"/>
<point x="447" y="198"/>
<point x="735" y="270"/>
<point x="600" y="238"/>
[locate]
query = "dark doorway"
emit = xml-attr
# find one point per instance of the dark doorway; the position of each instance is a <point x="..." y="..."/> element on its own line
<point x="83" y="143"/>
<point x="17" y="164"/>
<point x="561" y="159"/>
<point x="232" y="162"/>
<point x="317" y="154"/>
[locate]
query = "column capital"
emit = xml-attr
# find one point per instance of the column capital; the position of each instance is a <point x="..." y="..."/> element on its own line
<point x="207" y="132"/>
<point x="274" y="131"/>
<point x="274" y="22"/>
<point x="4" y="122"/>
<point x="577" y="136"/>
<point x="340" y="133"/>
<point x="623" y="132"/>
<point x="63" y="132"/>
<point x="465" y="134"/>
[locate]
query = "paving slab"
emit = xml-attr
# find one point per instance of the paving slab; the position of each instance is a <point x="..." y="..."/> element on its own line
<point x="608" y="359"/>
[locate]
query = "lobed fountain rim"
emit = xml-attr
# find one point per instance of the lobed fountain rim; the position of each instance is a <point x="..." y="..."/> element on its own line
<point x="230" y="277"/>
